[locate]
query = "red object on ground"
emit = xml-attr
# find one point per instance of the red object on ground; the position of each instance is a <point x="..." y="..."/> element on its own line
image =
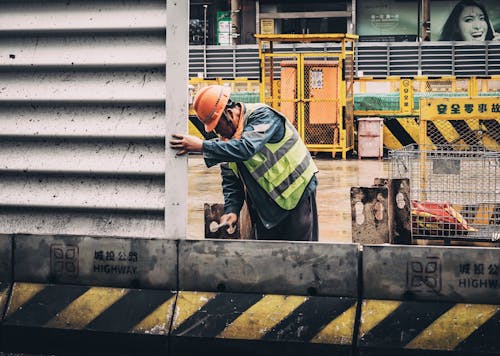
<point x="429" y="218"/>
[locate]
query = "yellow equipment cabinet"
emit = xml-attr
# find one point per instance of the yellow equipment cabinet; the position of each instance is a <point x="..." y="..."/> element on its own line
<point x="313" y="89"/>
<point x="322" y="79"/>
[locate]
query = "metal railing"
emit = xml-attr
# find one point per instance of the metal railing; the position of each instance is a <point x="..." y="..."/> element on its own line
<point x="371" y="59"/>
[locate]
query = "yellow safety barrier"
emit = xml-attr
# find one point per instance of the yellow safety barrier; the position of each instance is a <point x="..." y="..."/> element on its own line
<point x="400" y="96"/>
<point x="464" y="122"/>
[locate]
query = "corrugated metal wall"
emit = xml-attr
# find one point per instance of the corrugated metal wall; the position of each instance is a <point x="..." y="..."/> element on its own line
<point x="82" y="117"/>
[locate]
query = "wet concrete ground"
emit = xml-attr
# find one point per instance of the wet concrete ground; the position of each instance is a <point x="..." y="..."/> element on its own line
<point x="336" y="177"/>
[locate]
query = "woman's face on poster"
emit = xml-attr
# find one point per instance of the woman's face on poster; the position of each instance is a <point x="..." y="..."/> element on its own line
<point x="472" y="24"/>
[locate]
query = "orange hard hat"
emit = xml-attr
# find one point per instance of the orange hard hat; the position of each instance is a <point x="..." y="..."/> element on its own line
<point x="209" y="104"/>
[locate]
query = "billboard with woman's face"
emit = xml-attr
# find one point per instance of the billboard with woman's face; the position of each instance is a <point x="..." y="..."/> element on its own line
<point x="465" y="20"/>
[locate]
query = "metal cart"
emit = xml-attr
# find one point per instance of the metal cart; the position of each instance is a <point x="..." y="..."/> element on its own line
<point x="455" y="191"/>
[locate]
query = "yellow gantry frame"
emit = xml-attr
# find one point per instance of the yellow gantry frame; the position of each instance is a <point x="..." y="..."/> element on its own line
<point x="345" y="126"/>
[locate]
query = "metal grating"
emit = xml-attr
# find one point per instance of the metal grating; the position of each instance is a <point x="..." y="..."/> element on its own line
<point x="493" y="59"/>
<point x="469" y="60"/>
<point x="378" y="59"/>
<point x="372" y="60"/>
<point x="473" y="132"/>
<point x="437" y="60"/>
<point x="403" y="60"/>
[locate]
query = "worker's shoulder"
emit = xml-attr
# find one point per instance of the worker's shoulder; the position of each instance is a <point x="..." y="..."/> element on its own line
<point x="256" y="106"/>
<point x="259" y="109"/>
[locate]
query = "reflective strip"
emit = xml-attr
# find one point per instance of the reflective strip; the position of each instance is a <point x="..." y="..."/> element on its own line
<point x="189" y="303"/>
<point x="283" y="172"/>
<point x="271" y="158"/>
<point x="86" y="308"/>
<point x="373" y="312"/>
<point x="157" y="322"/>
<point x="261" y="317"/>
<point x="453" y="327"/>
<point x="339" y="330"/>
<point x="282" y="169"/>
<point x="288" y="186"/>
<point x="23" y="293"/>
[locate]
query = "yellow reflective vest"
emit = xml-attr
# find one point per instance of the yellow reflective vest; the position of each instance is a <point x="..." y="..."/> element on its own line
<point x="283" y="169"/>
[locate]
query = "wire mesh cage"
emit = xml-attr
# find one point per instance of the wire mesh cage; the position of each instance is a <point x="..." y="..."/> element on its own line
<point x="455" y="190"/>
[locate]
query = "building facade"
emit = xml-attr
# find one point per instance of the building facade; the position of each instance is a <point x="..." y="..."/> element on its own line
<point x="235" y="22"/>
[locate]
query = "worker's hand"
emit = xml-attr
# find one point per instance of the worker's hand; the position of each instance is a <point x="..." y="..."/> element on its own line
<point x="185" y="144"/>
<point x="230" y="219"/>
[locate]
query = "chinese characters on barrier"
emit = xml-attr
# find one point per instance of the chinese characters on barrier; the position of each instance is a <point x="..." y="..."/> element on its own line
<point x="65" y="260"/>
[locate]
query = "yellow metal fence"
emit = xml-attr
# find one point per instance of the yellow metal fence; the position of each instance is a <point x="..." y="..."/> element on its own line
<point x="398" y="100"/>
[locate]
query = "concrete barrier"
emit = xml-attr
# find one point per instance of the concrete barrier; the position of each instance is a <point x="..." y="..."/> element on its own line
<point x="137" y="296"/>
<point x="104" y="296"/>
<point x="96" y="261"/>
<point x="90" y="295"/>
<point x="300" y="268"/>
<point x="431" y="300"/>
<point x="266" y="298"/>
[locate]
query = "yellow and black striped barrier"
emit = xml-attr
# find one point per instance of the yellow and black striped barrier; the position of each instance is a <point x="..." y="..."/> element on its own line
<point x="72" y="319"/>
<point x="402" y="327"/>
<point x="54" y="318"/>
<point x="104" y="296"/>
<point x="139" y="296"/>
<point x="401" y="132"/>
<point x="431" y="300"/>
<point x="268" y="324"/>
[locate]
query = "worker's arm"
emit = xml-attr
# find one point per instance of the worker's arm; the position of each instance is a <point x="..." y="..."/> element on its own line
<point x="265" y="126"/>
<point x="234" y="194"/>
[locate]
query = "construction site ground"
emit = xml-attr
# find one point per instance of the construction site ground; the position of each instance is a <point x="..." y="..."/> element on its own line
<point x="336" y="177"/>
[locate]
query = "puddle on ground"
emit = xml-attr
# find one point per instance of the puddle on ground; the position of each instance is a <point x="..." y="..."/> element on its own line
<point x="336" y="177"/>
